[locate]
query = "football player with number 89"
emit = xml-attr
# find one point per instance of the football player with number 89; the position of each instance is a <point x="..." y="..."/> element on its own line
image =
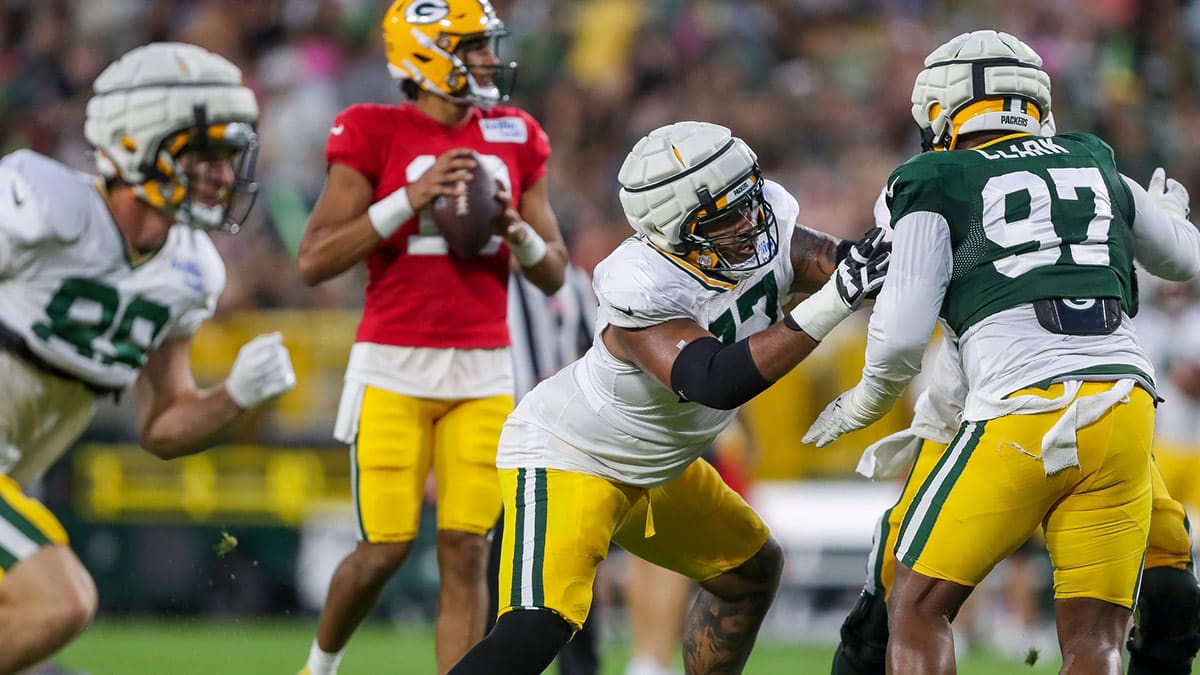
<point x="430" y="378"/>
<point x="1022" y="244"/>
<point x="103" y="281"/>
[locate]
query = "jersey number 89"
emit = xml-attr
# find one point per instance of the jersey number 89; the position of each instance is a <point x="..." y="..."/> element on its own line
<point x="96" y="306"/>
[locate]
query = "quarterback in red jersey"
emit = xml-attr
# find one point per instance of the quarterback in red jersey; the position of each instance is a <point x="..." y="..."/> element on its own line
<point x="429" y="381"/>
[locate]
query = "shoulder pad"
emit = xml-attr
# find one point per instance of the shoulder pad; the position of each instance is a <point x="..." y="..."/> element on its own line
<point x="913" y="186"/>
<point x="1093" y="143"/>
<point x="787" y="209"/>
<point x="194" y="254"/>
<point x="636" y="287"/>
<point x="42" y="199"/>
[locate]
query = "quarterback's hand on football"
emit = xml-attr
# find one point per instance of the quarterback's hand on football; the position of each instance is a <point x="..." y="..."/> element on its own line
<point x="861" y="273"/>
<point x="261" y="371"/>
<point x="506" y="222"/>
<point x="833" y="421"/>
<point x="1169" y="194"/>
<point x="447" y="176"/>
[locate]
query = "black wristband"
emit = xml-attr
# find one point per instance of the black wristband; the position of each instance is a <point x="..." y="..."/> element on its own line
<point x="791" y="323"/>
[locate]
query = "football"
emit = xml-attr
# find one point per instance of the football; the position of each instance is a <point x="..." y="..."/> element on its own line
<point x="466" y="221"/>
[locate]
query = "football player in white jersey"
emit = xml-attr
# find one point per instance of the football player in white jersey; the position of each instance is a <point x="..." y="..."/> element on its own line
<point x="691" y="325"/>
<point x="103" y="281"/>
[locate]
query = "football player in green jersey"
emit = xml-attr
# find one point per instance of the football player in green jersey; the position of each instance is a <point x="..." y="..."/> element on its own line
<point x="1167" y="634"/>
<point x="1022" y="246"/>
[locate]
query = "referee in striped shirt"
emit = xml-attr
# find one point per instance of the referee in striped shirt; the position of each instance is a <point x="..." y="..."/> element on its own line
<point x="548" y="332"/>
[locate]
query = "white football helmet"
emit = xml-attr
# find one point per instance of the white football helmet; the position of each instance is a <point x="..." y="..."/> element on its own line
<point x="686" y="186"/>
<point x="165" y="100"/>
<point x="980" y="81"/>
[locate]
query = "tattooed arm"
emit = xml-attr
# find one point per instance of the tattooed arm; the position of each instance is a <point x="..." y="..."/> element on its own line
<point x="814" y="257"/>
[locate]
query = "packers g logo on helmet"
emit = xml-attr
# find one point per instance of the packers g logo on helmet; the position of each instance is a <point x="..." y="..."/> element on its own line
<point x="426" y="11"/>
<point x="423" y="39"/>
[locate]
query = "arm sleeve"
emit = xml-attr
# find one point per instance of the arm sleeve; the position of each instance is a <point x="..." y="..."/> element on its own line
<point x="351" y="143"/>
<point x="905" y="313"/>
<point x="938" y="411"/>
<point x="629" y="296"/>
<point x="24" y="225"/>
<point x="1166" y="246"/>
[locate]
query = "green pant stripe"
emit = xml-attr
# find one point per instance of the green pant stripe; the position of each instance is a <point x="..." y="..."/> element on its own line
<point x="880" y="553"/>
<point x="1137" y="588"/>
<point x="7" y="559"/>
<point x="925" y="509"/>
<point x="539" y="542"/>
<point x="1187" y="526"/>
<point x="917" y="498"/>
<point x="22" y="524"/>
<point x="518" y="536"/>
<point x="354" y="477"/>
<point x="15" y="540"/>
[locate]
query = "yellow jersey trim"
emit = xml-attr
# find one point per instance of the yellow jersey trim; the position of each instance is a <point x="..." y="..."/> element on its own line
<point x="709" y="282"/>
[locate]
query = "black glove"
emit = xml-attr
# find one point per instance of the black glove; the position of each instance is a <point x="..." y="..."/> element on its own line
<point x="861" y="273"/>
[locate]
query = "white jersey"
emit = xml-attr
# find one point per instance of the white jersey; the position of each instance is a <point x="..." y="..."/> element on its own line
<point x="67" y="287"/>
<point x="606" y="417"/>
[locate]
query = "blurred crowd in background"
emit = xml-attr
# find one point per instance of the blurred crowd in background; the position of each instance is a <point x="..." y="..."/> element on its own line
<point x="819" y="88"/>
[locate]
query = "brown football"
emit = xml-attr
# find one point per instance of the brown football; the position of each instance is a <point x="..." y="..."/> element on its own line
<point x="466" y="221"/>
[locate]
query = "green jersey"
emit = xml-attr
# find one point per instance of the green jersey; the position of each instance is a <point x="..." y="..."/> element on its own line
<point x="1030" y="218"/>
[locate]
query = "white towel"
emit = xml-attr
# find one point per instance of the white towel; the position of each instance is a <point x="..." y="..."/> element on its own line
<point x="345" y="427"/>
<point x="890" y="456"/>
<point x="1059" y="450"/>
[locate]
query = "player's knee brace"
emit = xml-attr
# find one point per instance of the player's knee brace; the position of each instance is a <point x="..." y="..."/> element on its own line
<point x="1166" y="636"/>
<point x="863" y="649"/>
<point x="523" y="642"/>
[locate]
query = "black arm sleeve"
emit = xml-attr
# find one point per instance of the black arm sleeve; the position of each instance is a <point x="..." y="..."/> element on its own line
<point x="716" y="375"/>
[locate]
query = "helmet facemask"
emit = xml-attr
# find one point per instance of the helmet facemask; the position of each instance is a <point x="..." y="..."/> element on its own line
<point x="501" y="77"/>
<point x="174" y="122"/>
<point x="733" y="234"/>
<point x="204" y="175"/>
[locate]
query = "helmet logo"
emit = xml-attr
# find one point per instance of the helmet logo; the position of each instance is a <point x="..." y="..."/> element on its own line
<point x="426" y="11"/>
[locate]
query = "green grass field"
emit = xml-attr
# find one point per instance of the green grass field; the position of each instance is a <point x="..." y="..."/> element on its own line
<point x="235" y="647"/>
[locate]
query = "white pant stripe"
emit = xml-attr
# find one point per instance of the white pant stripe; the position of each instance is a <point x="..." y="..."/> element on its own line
<point x="15" y="541"/>
<point x="922" y="509"/>
<point x="528" y="536"/>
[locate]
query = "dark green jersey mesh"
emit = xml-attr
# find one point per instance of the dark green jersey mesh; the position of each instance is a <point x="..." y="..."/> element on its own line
<point x="1029" y="218"/>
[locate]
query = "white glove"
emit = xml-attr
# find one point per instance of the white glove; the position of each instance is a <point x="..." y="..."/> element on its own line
<point x="261" y="371"/>
<point x="890" y="456"/>
<point x="833" y="421"/>
<point x="1169" y="194"/>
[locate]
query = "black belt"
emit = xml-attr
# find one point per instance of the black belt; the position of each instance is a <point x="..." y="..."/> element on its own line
<point x="13" y="343"/>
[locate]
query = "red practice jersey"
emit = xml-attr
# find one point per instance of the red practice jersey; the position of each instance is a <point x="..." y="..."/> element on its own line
<point x="418" y="295"/>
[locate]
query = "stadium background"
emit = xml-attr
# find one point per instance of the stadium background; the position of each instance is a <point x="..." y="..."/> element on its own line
<point x="819" y="88"/>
